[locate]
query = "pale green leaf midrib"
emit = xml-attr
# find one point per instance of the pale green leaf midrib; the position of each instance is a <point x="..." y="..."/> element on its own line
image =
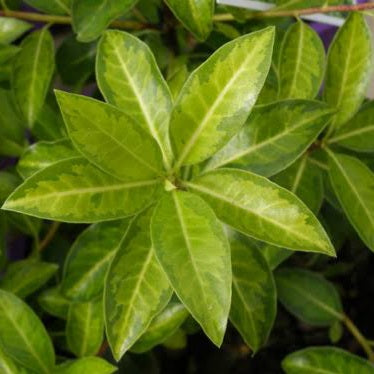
<point x="352" y="133"/>
<point x="94" y="17"/>
<point x="86" y="330"/>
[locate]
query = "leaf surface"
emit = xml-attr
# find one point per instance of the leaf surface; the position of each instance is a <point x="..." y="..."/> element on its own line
<point x="11" y="29"/>
<point x="51" y="6"/>
<point x="87" y="365"/>
<point x="54" y="303"/>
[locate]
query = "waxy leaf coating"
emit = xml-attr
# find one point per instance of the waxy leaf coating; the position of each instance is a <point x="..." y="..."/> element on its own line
<point x="11" y="29"/>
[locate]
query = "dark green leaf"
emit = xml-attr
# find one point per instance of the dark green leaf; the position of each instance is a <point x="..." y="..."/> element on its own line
<point x="54" y="303"/>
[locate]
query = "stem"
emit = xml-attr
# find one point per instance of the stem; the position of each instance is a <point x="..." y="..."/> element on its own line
<point x="49" y="236"/>
<point x="365" y="344"/>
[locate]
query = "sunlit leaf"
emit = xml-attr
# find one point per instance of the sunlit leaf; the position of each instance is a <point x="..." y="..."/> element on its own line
<point x="54" y="303"/>
<point x="87" y="365"/>
<point x="11" y="29"/>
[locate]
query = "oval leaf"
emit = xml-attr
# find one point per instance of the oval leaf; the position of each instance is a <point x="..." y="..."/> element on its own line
<point x="218" y="96"/>
<point x="54" y="303"/>
<point x="309" y="296"/>
<point x="87" y="365"/>
<point x="11" y="29"/>
<point x="51" y="6"/>
<point x="193" y="250"/>
<point x="259" y="208"/>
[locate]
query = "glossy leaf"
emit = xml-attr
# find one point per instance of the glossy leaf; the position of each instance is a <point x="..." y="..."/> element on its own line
<point x="162" y="327"/>
<point x="274" y="136"/>
<point x="218" y="96"/>
<point x="254" y="301"/>
<point x="109" y="138"/>
<point x="7" y="365"/>
<point x="304" y="179"/>
<point x="23" y="336"/>
<point x="193" y="250"/>
<point x="24" y="277"/>
<point x="54" y="303"/>
<point x="87" y="365"/>
<point x="32" y="73"/>
<point x="89" y="259"/>
<point x="353" y="184"/>
<point x="43" y="154"/>
<point x="11" y="29"/>
<point x="358" y="133"/>
<point x="259" y="208"/>
<point x="195" y="15"/>
<point x="90" y="18"/>
<point x="301" y="63"/>
<point x="85" y="328"/>
<point x="308" y="296"/>
<point x="136" y="288"/>
<point x="51" y="6"/>
<point x="348" y="68"/>
<point x="318" y="360"/>
<point x="76" y="191"/>
<point x="130" y="79"/>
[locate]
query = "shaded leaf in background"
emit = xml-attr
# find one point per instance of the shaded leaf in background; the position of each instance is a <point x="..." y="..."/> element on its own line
<point x="87" y="365"/>
<point x="308" y="296"/>
<point x="11" y="29"/>
<point x="7" y="52"/>
<point x="51" y="6"/>
<point x="274" y="136"/>
<point x="54" y="303"/>
<point x="254" y="300"/>
<point x="218" y="96"/>
<point x="32" y="73"/>
<point x="193" y="250"/>
<point x="136" y="288"/>
<point x="259" y="208"/>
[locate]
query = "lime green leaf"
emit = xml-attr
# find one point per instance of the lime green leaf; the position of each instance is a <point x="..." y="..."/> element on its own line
<point x="109" y="138"/>
<point x="23" y="337"/>
<point x="259" y="208"/>
<point x="76" y="191"/>
<point x="54" y="303"/>
<point x="358" y="133"/>
<point x="193" y="250"/>
<point x="195" y="15"/>
<point x="136" y="288"/>
<point x="7" y="365"/>
<point x="254" y="300"/>
<point x="275" y="255"/>
<point x="11" y="29"/>
<point x="304" y="179"/>
<point x="163" y="326"/>
<point x="7" y="52"/>
<point x="219" y="95"/>
<point x="91" y="18"/>
<point x="329" y="360"/>
<point x="89" y="259"/>
<point x="353" y="184"/>
<point x="26" y="276"/>
<point x="177" y="80"/>
<point x="87" y="365"/>
<point x="43" y="154"/>
<point x="51" y="6"/>
<point x="301" y="63"/>
<point x="269" y="92"/>
<point x="85" y="328"/>
<point x="32" y="73"/>
<point x="177" y="341"/>
<point x="129" y="78"/>
<point x="309" y="296"/>
<point x="348" y="68"/>
<point x="274" y="136"/>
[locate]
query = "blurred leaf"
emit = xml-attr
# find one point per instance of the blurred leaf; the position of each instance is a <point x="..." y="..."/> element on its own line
<point x="275" y="255"/>
<point x="7" y="365"/>
<point x="177" y="80"/>
<point x="11" y="29"/>
<point x="51" y="6"/>
<point x="87" y="365"/>
<point x="7" y="52"/>
<point x="177" y="341"/>
<point x="269" y="92"/>
<point x="54" y="303"/>
<point x="336" y="331"/>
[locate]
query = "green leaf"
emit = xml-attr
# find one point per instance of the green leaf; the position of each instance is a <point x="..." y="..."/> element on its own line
<point x="76" y="191"/>
<point x="162" y="327"/>
<point x="353" y="184"/>
<point x="87" y="365"/>
<point x="194" y="252"/>
<point x="254" y="300"/>
<point x="218" y="97"/>
<point x="32" y="73"/>
<point x="7" y="52"/>
<point x="7" y="365"/>
<point x="301" y="63"/>
<point x="54" y="303"/>
<point x="275" y="255"/>
<point x="136" y="288"/>
<point x="195" y="15"/>
<point x="91" y="18"/>
<point x="8" y="182"/>
<point x="85" y="328"/>
<point x="274" y="136"/>
<point x="11" y="29"/>
<point x="43" y="154"/>
<point x="51" y="6"/>
<point x="304" y="179"/>
<point x="109" y="138"/>
<point x="349" y="66"/>
<point x="130" y="79"/>
<point x="177" y="80"/>
<point x="269" y="92"/>
<point x="358" y="133"/>
<point x="22" y="335"/>
<point x="329" y="360"/>
<point x="259" y="208"/>
<point x="309" y="296"/>
<point x="24" y="277"/>
<point x="89" y="259"/>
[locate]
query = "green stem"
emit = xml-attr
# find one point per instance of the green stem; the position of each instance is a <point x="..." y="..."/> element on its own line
<point x="49" y="236"/>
